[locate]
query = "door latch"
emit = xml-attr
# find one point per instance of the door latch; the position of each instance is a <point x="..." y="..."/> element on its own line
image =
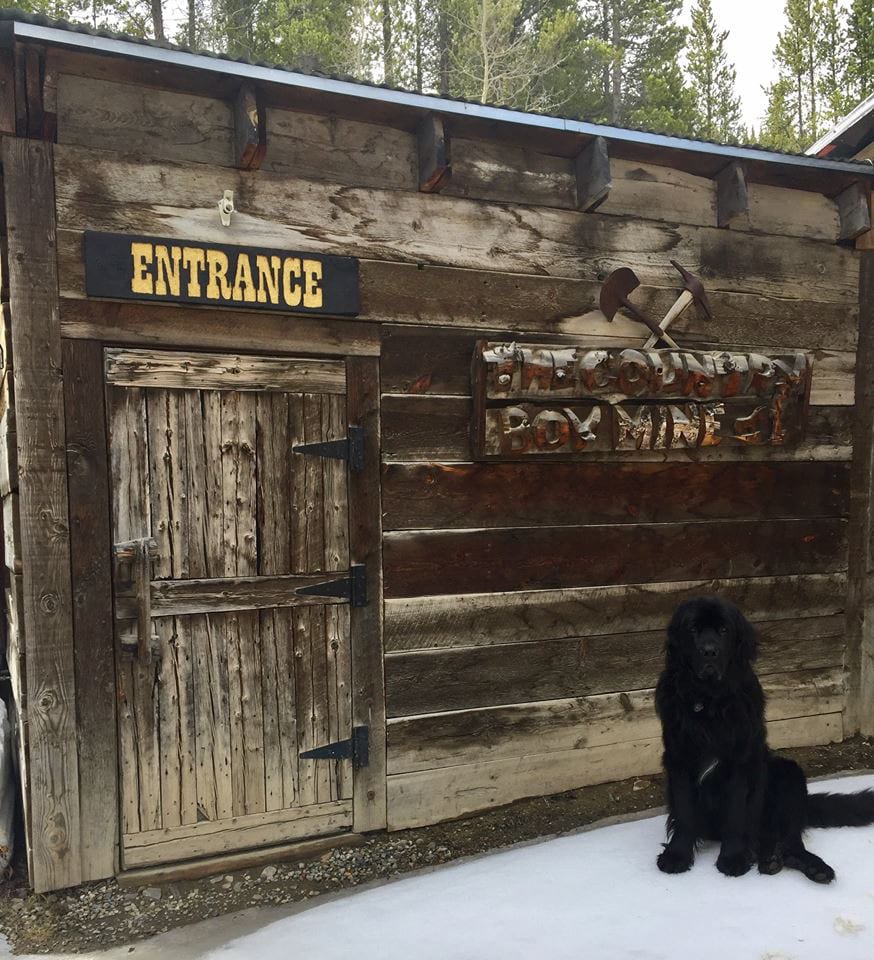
<point x="134" y="557"/>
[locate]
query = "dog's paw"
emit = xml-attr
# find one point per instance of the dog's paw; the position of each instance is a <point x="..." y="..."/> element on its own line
<point x="733" y="864"/>
<point x="674" y="861"/>
<point x="812" y="867"/>
<point x="771" y="864"/>
<point x="820" y="874"/>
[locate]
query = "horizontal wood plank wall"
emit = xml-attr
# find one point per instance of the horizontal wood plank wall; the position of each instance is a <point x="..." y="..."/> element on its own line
<point x="434" y="496"/>
<point x="526" y="602"/>
<point x="167" y="125"/>
<point x="536" y="590"/>
<point x="103" y="192"/>
<point x="530" y="558"/>
<point x="443" y="793"/>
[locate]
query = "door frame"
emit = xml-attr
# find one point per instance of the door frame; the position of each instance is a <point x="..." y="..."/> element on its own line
<point x="91" y="574"/>
<point x="365" y="546"/>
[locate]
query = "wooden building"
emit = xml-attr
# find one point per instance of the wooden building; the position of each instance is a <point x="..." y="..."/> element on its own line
<point x="210" y="266"/>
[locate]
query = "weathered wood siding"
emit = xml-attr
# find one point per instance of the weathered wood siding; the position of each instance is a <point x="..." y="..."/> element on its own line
<point x="525" y="603"/>
<point x="41" y="543"/>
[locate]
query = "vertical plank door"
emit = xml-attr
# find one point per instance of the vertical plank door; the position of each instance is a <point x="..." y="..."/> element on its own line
<point x="233" y="585"/>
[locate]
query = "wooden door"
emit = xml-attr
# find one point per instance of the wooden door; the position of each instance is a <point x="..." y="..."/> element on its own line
<point x="229" y="662"/>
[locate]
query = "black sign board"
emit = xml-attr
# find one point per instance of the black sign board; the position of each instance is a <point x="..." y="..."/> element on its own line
<point x="127" y="267"/>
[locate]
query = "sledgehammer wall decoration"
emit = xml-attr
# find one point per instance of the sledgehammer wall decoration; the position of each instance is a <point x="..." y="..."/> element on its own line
<point x="542" y="400"/>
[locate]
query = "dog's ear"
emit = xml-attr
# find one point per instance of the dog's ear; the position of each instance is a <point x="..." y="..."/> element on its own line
<point x="747" y="637"/>
<point x="678" y="626"/>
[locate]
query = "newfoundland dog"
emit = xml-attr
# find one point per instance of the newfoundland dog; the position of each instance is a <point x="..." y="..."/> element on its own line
<point x="723" y="782"/>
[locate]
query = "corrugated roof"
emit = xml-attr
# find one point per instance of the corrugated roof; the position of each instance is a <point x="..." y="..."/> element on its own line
<point x="40" y="27"/>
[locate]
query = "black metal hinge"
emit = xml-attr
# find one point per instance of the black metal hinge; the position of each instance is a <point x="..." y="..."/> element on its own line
<point x="352" y="588"/>
<point x="350" y="448"/>
<point x="356" y="748"/>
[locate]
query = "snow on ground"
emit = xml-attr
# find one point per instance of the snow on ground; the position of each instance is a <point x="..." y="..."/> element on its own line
<point x="595" y="894"/>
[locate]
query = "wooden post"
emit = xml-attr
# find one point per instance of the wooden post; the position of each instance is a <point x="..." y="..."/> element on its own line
<point x="33" y="91"/>
<point x="45" y="535"/>
<point x="860" y="578"/>
<point x="434" y="156"/>
<point x="91" y="550"/>
<point x="50" y="73"/>
<point x="592" y="167"/>
<point x="250" y="128"/>
<point x="20" y="92"/>
<point x="7" y="92"/>
<point x="732" y="200"/>
<point x="365" y="546"/>
<point x="865" y="241"/>
<point x="854" y="211"/>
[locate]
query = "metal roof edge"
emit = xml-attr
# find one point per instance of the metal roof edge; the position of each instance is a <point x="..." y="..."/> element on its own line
<point x="858" y="112"/>
<point x="425" y="102"/>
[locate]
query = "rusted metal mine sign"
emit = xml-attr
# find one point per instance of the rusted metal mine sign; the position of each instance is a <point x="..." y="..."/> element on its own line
<point x="565" y="401"/>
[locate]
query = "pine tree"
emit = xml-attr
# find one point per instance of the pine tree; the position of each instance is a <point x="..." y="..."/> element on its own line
<point x="502" y="53"/>
<point x="712" y="79"/>
<point x="646" y="41"/>
<point x="825" y="62"/>
<point x="575" y="85"/>
<point x="861" y="53"/>
<point x="622" y="63"/>
<point x="811" y="74"/>
<point x="833" y="62"/>
<point x="779" y="129"/>
<point x="667" y="104"/>
<point x="308" y="34"/>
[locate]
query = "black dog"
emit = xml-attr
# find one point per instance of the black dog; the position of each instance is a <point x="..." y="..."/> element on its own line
<point x="723" y="782"/>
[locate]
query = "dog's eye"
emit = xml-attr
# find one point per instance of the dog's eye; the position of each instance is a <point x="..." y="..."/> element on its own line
<point x="723" y="631"/>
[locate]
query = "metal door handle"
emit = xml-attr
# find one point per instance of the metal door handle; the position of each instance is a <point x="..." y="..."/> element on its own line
<point x="138" y="556"/>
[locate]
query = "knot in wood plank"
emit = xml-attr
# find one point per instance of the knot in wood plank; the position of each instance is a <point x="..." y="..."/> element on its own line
<point x="48" y="701"/>
<point x="48" y="603"/>
<point x="57" y="836"/>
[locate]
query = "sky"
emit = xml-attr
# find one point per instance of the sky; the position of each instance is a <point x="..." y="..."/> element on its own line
<point x="753" y="26"/>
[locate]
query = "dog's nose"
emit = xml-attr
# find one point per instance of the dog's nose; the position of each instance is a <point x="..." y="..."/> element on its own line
<point x="709" y="650"/>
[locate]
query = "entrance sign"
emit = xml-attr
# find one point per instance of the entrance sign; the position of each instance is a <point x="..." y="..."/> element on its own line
<point x="186" y="271"/>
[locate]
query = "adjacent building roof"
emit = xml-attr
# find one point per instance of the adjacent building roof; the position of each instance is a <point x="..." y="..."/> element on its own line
<point x="848" y="136"/>
<point x="20" y="25"/>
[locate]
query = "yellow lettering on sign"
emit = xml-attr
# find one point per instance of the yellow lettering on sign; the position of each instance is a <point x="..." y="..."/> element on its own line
<point x="291" y="290"/>
<point x="193" y="260"/>
<point x="218" y="287"/>
<point x="244" y="276"/>
<point x="141" y="281"/>
<point x="268" y="279"/>
<point x="167" y="270"/>
<point x="312" y="290"/>
<point x="163" y="269"/>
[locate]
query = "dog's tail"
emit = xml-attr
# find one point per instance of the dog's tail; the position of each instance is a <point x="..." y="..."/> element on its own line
<point x="840" y="809"/>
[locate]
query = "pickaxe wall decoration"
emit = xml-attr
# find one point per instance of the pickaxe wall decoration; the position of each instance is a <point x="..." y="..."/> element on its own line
<point x="614" y="294"/>
<point x="620" y="283"/>
<point x="693" y="290"/>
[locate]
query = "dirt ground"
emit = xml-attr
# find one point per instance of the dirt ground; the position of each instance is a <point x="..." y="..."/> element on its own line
<point x="106" y="914"/>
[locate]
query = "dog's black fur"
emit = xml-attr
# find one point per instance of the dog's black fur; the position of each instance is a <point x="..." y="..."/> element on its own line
<point x="723" y="782"/>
